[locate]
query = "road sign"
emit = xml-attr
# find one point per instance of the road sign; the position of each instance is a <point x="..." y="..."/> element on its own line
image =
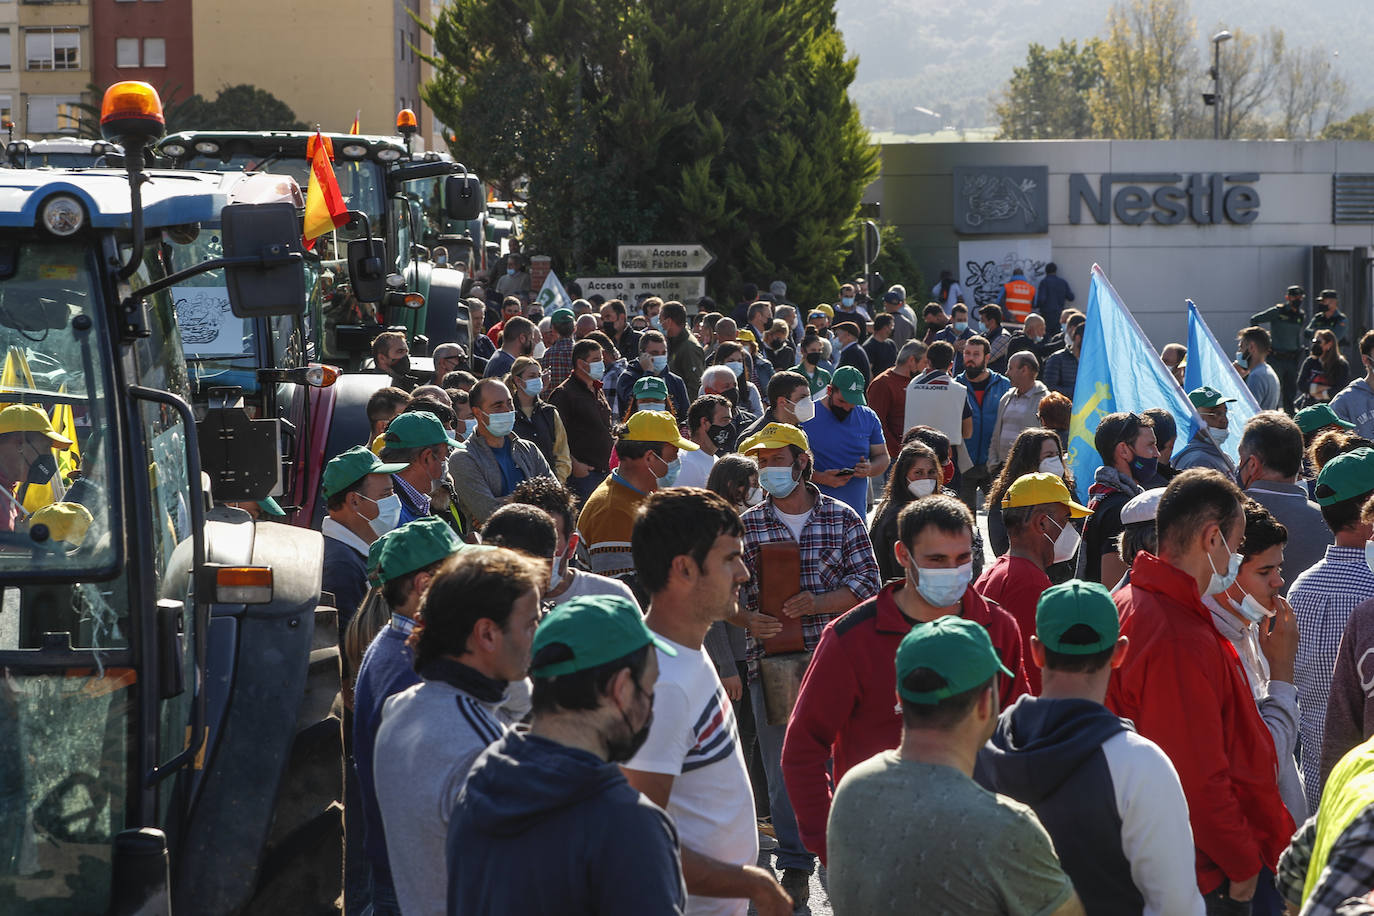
<point x="686" y="290"/>
<point x="649" y="259"/>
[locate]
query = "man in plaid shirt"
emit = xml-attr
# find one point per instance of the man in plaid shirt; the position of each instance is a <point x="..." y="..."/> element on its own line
<point x="558" y="359"/>
<point x="1323" y="597"/>
<point x="838" y="571"/>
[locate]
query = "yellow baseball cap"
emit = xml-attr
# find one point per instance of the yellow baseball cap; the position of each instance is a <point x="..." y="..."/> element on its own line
<point x="829" y="310"/>
<point x="775" y="435"/>
<point x="25" y="418"/>
<point x="1038" y="489"/>
<point x="66" y="522"/>
<point x="747" y="335"/>
<point x="656" y="426"/>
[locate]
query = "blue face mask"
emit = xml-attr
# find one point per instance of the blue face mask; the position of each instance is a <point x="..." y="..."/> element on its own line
<point x="533" y="386"/>
<point x="670" y="476"/>
<point x="779" y="482"/>
<point x="651" y="406"/>
<point x="1242" y="360"/>
<point x="847" y="301"/>
<point x="469" y="427"/>
<point x="735" y="367"/>
<point x="960" y="327"/>
<point x="501" y="424"/>
<point x="510" y="271"/>
<point x="660" y="363"/>
<point x="596" y="371"/>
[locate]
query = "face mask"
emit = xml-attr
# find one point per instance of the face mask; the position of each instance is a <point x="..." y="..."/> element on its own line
<point x="735" y="367"/>
<point x="659" y="363"/>
<point x="720" y="435"/>
<point x="960" y="326"/>
<point x="1241" y="360"/>
<point x="1142" y="469"/>
<point x="1252" y="610"/>
<point x="652" y="406"/>
<point x="779" y="482"/>
<point x="731" y="395"/>
<point x="1035" y="339"/>
<point x="537" y="351"/>
<point x="608" y="328"/>
<point x="804" y="409"/>
<point x="469" y="427"/>
<point x="921" y="488"/>
<point x="388" y="513"/>
<point x="43" y="469"/>
<point x="812" y="359"/>
<point x="944" y="587"/>
<point x="596" y="371"/>
<point x="847" y="301"/>
<point x="1052" y="465"/>
<point x="619" y="750"/>
<point x="533" y="386"/>
<point x="1317" y="349"/>
<point x="657" y="326"/>
<point x="500" y="424"/>
<point x="1218" y="436"/>
<point x="755" y="496"/>
<point x="510" y="271"/>
<point x="401" y="366"/>
<point x="1066" y="544"/>
<point x="670" y="476"/>
<point x="555" y="573"/>
<point x="1220" y="582"/>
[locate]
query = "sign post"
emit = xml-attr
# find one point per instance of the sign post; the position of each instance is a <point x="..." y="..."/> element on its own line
<point x="649" y="259"/>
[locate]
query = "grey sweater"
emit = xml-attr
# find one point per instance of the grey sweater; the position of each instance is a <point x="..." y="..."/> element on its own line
<point x="477" y="476"/>
<point x="429" y="738"/>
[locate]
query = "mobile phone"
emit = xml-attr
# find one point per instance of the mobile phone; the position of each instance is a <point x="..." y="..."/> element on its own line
<point x="847" y="472"/>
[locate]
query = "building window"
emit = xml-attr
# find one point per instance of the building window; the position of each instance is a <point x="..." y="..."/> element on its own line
<point x="6" y="109"/>
<point x="6" y="50"/>
<point x="52" y="49"/>
<point x="50" y="114"/>
<point x="126" y="52"/>
<point x="154" y="52"/>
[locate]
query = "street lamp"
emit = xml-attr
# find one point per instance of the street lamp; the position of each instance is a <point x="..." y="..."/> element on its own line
<point x="1214" y="97"/>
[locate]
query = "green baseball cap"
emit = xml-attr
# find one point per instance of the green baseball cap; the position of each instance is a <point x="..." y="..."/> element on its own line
<point x="417" y="430"/>
<point x="1076" y="602"/>
<point x="1319" y="416"/>
<point x="850" y="382"/>
<point x="562" y="316"/>
<point x="651" y="388"/>
<point x="412" y="546"/>
<point x="598" y="629"/>
<point x="1207" y="396"/>
<point x="347" y="468"/>
<point x="958" y="650"/>
<point x="1346" y="477"/>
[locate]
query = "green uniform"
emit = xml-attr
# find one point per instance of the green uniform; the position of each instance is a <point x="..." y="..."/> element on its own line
<point x="817" y="382"/>
<point x="1287" y="334"/>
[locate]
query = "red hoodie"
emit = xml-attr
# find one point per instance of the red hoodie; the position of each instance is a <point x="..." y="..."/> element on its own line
<point x="1183" y="686"/>
<point x="848" y="710"/>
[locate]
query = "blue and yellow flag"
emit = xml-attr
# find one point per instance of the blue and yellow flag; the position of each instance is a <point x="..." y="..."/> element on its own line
<point x="1209" y="364"/>
<point x="1118" y="370"/>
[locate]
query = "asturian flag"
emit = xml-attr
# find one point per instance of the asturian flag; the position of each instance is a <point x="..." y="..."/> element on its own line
<point x="1118" y="370"/>
<point x="552" y="295"/>
<point x="1209" y="364"/>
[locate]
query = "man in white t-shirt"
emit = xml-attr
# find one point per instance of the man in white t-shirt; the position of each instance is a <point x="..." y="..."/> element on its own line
<point x="689" y="555"/>
<point x="935" y="399"/>
<point x="708" y="425"/>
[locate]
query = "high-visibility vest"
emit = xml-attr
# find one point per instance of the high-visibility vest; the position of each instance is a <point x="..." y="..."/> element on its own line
<point x="1348" y="791"/>
<point x="1020" y="296"/>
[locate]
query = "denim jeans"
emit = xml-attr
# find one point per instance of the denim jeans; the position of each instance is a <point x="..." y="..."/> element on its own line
<point x="383" y="901"/>
<point x="790" y="852"/>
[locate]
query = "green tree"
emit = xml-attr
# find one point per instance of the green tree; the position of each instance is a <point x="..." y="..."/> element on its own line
<point x="724" y="122"/>
<point x="1047" y="97"/>
<point x="1149" y="62"/>
<point x="1358" y="126"/>
<point x="241" y="107"/>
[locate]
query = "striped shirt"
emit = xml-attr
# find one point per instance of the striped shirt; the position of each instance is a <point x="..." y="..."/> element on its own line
<point x="835" y="552"/>
<point x="1322" y="599"/>
<point x="606" y="522"/>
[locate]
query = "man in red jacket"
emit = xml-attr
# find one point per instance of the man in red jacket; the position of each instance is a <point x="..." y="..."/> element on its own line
<point x="847" y="709"/>
<point x="1183" y="686"/>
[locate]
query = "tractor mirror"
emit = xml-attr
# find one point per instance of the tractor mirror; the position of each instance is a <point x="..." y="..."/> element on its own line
<point x="463" y="198"/>
<point x="270" y="280"/>
<point x="366" y="268"/>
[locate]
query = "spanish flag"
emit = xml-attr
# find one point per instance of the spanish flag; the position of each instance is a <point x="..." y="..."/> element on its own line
<point x="325" y="209"/>
<point x="356" y="128"/>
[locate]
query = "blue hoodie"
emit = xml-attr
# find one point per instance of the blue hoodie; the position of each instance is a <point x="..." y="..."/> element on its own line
<point x="546" y="828"/>
<point x="1048" y="754"/>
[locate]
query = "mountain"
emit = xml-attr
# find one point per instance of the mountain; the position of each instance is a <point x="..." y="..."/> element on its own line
<point x="951" y="58"/>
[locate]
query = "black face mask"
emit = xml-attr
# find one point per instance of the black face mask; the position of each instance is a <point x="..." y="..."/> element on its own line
<point x="1316" y="348"/>
<point x="731" y="395"/>
<point x="43" y="469"/>
<point x="720" y="435"/>
<point x="624" y="747"/>
<point x="813" y="359"/>
<point x="608" y="328"/>
<point x="841" y="413"/>
<point x="401" y="366"/>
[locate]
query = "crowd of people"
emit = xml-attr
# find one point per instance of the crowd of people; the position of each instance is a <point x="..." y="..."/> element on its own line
<point x="650" y="612"/>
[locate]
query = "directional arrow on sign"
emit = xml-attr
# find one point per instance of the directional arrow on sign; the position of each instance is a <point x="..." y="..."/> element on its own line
<point x="647" y="259"/>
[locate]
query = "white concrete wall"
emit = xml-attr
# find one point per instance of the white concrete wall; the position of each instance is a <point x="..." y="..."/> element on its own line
<point x="1230" y="270"/>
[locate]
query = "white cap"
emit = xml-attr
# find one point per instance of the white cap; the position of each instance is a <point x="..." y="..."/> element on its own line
<point x="1142" y="508"/>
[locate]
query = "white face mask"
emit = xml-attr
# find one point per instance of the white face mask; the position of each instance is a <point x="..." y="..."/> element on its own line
<point x="1066" y="544"/>
<point x="1218" y="436"/>
<point x="1252" y="610"/>
<point x="805" y="410"/>
<point x="921" y="487"/>
<point x="755" y="496"/>
<point x="388" y="513"/>
<point x="1220" y="582"/>
<point x="1052" y="465"/>
<point x="944" y="587"/>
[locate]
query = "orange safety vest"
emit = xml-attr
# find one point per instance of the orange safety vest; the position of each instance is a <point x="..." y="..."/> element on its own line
<point x="1020" y="297"/>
